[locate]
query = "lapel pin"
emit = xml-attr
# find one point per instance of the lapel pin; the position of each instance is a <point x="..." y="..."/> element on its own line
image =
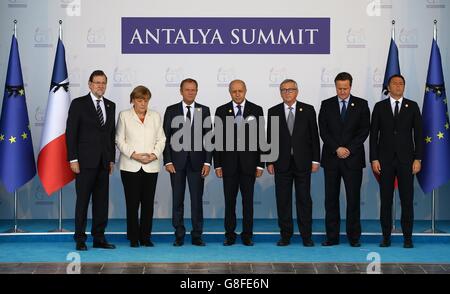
<point x="198" y="109"/>
<point x="353" y="104"/>
<point x="230" y="111"/>
<point x="406" y="105"/>
<point x="301" y="109"/>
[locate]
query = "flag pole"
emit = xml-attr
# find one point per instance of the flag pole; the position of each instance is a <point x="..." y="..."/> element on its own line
<point x="60" y="228"/>
<point x="394" y="209"/>
<point x="433" y="229"/>
<point x="15" y="229"/>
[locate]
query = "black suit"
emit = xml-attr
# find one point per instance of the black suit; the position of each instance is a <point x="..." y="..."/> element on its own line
<point x="297" y="152"/>
<point x="93" y="146"/>
<point x="188" y="164"/>
<point x="239" y="167"/>
<point x="349" y="132"/>
<point x="396" y="143"/>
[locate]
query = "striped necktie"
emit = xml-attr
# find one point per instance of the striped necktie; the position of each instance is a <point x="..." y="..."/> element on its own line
<point x="100" y="113"/>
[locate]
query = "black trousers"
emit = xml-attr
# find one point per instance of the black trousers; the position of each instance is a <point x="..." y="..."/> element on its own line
<point x="231" y="186"/>
<point x="95" y="182"/>
<point x="303" y="204"/>
<point x="352" y="181"/>
<point x="196" y="183"/>
<point x="403" y="172"/>
<point x="139" y="190"/>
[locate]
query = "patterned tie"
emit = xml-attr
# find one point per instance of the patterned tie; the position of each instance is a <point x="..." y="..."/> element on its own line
<point x="100" y="113"/>
<point x="343" y="110"/>
<point x="238" y="118"/>
<point x="290" y="121"/>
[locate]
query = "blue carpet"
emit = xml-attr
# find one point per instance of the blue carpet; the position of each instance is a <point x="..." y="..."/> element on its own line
<point x="56" y="247"/>
<point x="210" y="225"/>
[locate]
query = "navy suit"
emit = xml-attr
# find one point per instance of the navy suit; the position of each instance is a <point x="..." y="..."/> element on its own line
<point x="396" y="143"/>
<point x="293" y="166"/>
<point x="188" y="165"/>
<point x="93" y="146"/>
<point x="239" y="167"/>
<point x="350" y="133"/>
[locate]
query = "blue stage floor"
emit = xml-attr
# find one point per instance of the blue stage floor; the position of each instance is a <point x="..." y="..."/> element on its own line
<point x="39" y="246"/>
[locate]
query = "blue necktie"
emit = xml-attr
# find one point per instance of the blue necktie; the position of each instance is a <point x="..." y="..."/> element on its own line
<point x="343" y="110"/>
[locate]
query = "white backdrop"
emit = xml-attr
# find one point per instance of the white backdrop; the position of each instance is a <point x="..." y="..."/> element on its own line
<point x="360" y="35"/>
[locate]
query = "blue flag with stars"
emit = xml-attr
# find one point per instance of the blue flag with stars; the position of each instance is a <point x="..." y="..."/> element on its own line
<point x="436" y="130"/>
<point x="17" y="165"/>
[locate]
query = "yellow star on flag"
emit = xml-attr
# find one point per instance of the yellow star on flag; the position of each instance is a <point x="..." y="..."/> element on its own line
<point x="440" y="135"/>
<point x="2" y="137"/>
<point x="24" y="135"/>
<point x="447" y="126"/>
<point x="445" y="101"/>
<point x="21" y="92"/>
<point x="428" y="139"/>
<point x="12" y="139"/>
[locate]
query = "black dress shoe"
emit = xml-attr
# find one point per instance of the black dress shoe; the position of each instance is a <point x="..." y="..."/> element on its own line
<point x="329" y="243"/>
<point x="308" y="242"/>
<point x="178" y="242"/>
<point x="355" y="243"/>
<point x="228" y="242"/>
<point x="198" y="242"/>
<point x="134" y="244"/>
<point x="386" y="242"/>
<point x="407" y="243"/>
<point x="247" y="242"/>
<point x="81" y="246"/>
<point x="147" y="243"/>
<point x="104" y="245"/>
<point x="283" y="242"/>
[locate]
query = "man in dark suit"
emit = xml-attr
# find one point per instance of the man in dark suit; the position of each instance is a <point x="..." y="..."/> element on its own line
<point x="344" y="123"/>
<point x="299" y="155"/>
<point x="90" y="134"/>
<point x="240" y="166"/>
<point x="396" y="151"/>
<point x="187" y="159"/>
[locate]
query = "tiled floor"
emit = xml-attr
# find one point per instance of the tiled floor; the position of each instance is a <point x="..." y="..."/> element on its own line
<point x="221" y="268"/>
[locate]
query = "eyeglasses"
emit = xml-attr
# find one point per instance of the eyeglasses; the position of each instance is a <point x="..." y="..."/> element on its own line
<point x="288" y="90"/>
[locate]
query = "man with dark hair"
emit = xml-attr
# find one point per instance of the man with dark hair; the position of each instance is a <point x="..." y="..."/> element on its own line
<point x="190" y="163"/>
<point x="299" y="156"/>
<point x="396" y="151"/>
<point x="344" y="123"/>
<point x="239" y="167"/>
<point x="90" y="134"/>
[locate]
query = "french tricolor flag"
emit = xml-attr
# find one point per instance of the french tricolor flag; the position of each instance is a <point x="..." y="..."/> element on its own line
<point x="53" y="167"/>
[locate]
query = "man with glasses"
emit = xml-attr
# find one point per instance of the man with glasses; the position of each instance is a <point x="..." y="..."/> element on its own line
<point x="90" y="135"/>
<point x="299" y="156"/>
<point x="344" y="122"/>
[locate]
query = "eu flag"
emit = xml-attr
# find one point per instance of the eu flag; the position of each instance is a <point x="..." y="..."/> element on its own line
<point x="17" y="165"/>
<point x="436" y="159"/>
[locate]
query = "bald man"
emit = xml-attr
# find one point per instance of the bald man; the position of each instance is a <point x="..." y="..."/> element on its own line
<point x="240" y="166"/>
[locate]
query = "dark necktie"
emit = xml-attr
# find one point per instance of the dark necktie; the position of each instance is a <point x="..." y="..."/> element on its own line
<point x="396" y="109"/>
<point x="188" y="114"/>
<point x="100" y="113"/>
<point x="343" y="110"/>
<point x="238" y="118"/>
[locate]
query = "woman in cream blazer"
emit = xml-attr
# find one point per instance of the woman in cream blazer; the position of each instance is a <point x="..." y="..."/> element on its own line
<point x="141" y="140"/>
